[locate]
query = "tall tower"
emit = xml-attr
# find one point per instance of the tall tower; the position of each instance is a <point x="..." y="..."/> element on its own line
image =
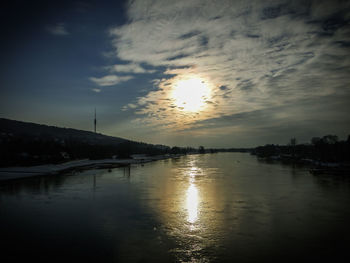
<point x="95" y="121"/>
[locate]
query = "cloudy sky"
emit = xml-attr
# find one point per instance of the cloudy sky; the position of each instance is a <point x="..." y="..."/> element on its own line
<point x="192" y="72"/>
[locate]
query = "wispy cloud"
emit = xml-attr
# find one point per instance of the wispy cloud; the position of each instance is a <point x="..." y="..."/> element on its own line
<point x="110" y="80"/>
<point x="96" y="90"/>
<point x="255" y="54"/>
<point x="58" y="29"/>
<point x="129" y="68"/>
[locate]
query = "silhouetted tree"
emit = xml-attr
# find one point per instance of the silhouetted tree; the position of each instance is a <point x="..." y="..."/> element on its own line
<point x="330" y="139"/>
<point x="315" y="140"/>
<point x="293" y="142"/>
<point x="175" y="150"/>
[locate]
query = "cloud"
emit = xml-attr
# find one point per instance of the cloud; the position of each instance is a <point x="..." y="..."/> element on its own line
<point x="132" y="106"/>
<point x="96" y="90"/>
<point x="110" y="80"/>
<point x="129" y="68"/>
<point x="254" y="54"/>
<point x="278" y="123"/>
<point x="58" y="29"/>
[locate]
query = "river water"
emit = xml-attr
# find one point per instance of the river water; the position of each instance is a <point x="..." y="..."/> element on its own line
<point x="224" y="207"/>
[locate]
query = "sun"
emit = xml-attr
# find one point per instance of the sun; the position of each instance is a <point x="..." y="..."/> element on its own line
<point x="190" y="94"/>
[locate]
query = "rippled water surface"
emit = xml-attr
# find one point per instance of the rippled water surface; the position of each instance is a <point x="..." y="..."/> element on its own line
<point x="221" y="207"/>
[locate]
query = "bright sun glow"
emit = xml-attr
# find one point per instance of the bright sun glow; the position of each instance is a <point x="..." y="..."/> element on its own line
<point x="190" y="94"/>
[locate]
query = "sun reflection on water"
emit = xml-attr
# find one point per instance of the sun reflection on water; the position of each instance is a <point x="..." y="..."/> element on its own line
<point x="184" y="199"/>
<point x="192" y="197"/>
<point x="192" y="203"/>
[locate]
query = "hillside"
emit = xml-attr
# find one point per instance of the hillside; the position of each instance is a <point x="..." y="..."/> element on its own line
<point x="28" y="129"/>
<point x="23" y="143"/>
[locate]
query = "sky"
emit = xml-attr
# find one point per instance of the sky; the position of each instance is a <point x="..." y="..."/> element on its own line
<point x="186" y="73"/>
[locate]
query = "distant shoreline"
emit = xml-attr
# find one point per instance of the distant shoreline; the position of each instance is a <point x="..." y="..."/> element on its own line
<point x="19" y="172"/>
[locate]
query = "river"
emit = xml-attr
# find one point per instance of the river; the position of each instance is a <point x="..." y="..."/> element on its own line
<point x="223" y="207"/>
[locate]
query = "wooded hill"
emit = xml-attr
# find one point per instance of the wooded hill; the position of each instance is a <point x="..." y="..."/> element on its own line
<point x="24" y="143"/>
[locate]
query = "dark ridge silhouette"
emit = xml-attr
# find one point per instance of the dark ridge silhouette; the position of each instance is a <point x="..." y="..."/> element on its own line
<point x="20" y="128"/>
<point x="24" y="143"/>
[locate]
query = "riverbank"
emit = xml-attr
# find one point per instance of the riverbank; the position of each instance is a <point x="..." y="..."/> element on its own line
<point x="315" y="167"/>
<point x="20" y="172"/>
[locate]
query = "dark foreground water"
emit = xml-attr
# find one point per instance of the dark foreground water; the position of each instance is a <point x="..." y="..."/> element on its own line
<point x="225" y="207"/>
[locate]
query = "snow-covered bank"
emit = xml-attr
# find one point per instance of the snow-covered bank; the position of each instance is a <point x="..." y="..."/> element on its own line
<point x="10" y="173"/>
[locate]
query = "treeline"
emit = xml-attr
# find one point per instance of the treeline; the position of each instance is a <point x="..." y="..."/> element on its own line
<point x="26" y="144"/>
<point x="23" y="143"/>
<point x="27" y="150"/>
<point x="320" y="149"/>
<point x="34" y="150"/>
<point x="241" y="150"/>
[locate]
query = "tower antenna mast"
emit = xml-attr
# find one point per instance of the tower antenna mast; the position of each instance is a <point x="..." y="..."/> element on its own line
<point x="95" y="121"/>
